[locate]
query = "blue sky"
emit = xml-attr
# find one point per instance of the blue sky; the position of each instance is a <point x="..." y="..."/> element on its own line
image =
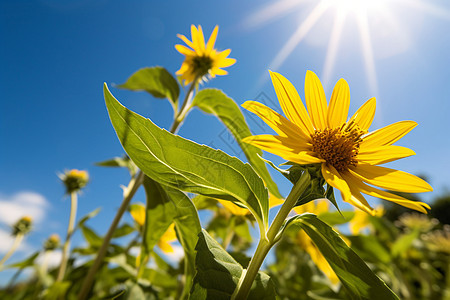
<point x="55" y="55"/>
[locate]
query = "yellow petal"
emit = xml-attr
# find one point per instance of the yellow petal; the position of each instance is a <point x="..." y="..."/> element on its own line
<point x="275" y="143"/>
<point x="274" y="201"/>
<point x="390" y="179"/>
<point x="200" y="38"/>
<point x="212" y="40"/>
<point x="165" y="247"/>
<point x="339" y="104"/>
<point x="137" y="212"/>
<point x="226" y="62"/>
<point x="383" y="154"/>
<point x="371" y="191"/>
<point x="277" y="122"/>
<point x="388" y="135"/>
<point x="222" y="55"/>
<point x="365" y="114"/>
<point x="333" y="178"/>
<point x="359" y="221"/>
<point x="233" y="208"/>
<point x="185" y="39"/>
<point x="322" y="206"/>
<point x="184" y="50"/>
<point x="217" y="71"/>
<point x="316" y="100"/>
<point x="291" y="104"/>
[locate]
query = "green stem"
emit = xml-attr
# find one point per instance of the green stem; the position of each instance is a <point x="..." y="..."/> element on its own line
<point x="185" y="108"/>
<point x="70" y="228"/>
<point x="265" y="244"/>
<point x="16" y="243"/>
<point x="129" y="192"/>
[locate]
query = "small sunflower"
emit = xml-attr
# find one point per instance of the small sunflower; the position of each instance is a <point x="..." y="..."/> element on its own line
<point x="202" y="59"/>
<point x="348" y="154"/>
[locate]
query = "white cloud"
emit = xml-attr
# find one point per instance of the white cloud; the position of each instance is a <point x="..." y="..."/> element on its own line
<point x="7" y="241"/>
<point x="12" y="208"/>
<point x="51" y="258"/>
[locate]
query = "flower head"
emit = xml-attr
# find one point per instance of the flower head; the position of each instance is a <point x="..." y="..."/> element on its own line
<point x="348" y="154"/>
<point x="52" y="242"/>
<point x="74" y="180"/>
<point x="202" y="59"/>
<point x="22" y="226"/>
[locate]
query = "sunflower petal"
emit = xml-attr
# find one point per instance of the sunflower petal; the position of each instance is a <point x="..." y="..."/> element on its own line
<point x="390" y="179"/>
<point x="365" y="114"/>
<point x="371" y="191"/>
<point x="226" y="62"/>
<point x="277" y="122"/>
<point x="333" y="178"/>
<point x="186" y="40"/>
<point x="291" y="104"/>
<point x="383" y="154"/>
<point x="184" y="50"/>
<point x="217" y="71"/>
<point x="339" y="104"/>
<point x="316" y="100"/>
<point x="200" y="39"/>
<point x="273" y="143"/>
<point x="212" y="40"/>
<point x="223" y="54"/>
<point x="388" y="135"/>
<point x="194" y="35"/>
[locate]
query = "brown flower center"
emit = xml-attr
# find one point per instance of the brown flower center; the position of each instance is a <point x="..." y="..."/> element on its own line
<point x="201" y="65"/>
<point x="338" y="146"/>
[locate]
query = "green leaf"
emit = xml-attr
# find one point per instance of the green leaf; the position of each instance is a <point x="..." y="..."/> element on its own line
<point x="123" y="230"/>
<point x="336" y="218"/>
<point x="87" y="217"/>
<point x="355" y="275"/>
<point x="164" y="206"/>
<point x="217" y="103"/>
<point x="121" y="162"/>
<point x="218" y="273"/>
<point x="28" y="262"/>
<point x="182" y="164"/>
<point x="91" y="237"/>
<point x="155" y="80"/>
<point x="404" y="242"/>
<point x="57" y="291"/>
<point x="370" y="249"/>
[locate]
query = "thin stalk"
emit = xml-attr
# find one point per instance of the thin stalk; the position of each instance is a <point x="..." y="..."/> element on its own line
<point x="70" y="228"/>
<point x="16" y="243"/>
<point x="185" y="108"/>
<point x="265" y="244"/>
<point x="129" y="192"/>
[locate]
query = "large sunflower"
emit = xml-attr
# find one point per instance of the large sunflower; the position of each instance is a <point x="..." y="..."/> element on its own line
<point x="202" y="59"/>
<point x="349" y="155"/>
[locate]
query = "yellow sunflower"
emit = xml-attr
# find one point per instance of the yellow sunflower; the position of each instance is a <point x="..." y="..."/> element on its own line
<point x="349" y="155"/>
<point x="202" y="59"/>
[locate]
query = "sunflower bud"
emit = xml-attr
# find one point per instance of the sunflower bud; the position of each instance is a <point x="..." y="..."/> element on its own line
<point x="75" y="180"/>
<point x="52" y="242"/>
<point x="23" y="226"/>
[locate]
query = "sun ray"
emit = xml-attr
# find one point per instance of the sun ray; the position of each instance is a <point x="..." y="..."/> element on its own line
<point x="298" y="35"/>
<point x="366" y="44"/>
<point x="271" y="12"/>
<point x="333" y="46"/>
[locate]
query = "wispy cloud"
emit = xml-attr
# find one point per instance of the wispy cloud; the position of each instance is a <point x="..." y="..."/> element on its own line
<point x="12" y="208"/>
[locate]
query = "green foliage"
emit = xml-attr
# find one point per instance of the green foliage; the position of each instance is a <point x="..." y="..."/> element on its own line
<point x="355" y="275"/>
<point x="218" y="273"/>
<point x="182" y="164"/>
<point x="156" y="81"/>
<point x="215" y="102"/>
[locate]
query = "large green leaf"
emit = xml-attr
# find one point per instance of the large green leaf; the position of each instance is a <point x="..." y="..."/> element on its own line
<point x="215" y="102"/>
<point x="218" y="274"/>
<point x="164" y="206"/>
<point x="355" y="275"/>
<point x="182" y="164"/>
<point x="155" y="80"/>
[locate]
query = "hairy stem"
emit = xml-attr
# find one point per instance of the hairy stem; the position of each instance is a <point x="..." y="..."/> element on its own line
<point x="265" y="244"/>
<point x="70" y="228"/>
<point x="16" y="243"/>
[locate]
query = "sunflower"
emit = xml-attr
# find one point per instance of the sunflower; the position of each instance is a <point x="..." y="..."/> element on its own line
<point x="202" y="59"/>
<point x="349" y="155"/>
